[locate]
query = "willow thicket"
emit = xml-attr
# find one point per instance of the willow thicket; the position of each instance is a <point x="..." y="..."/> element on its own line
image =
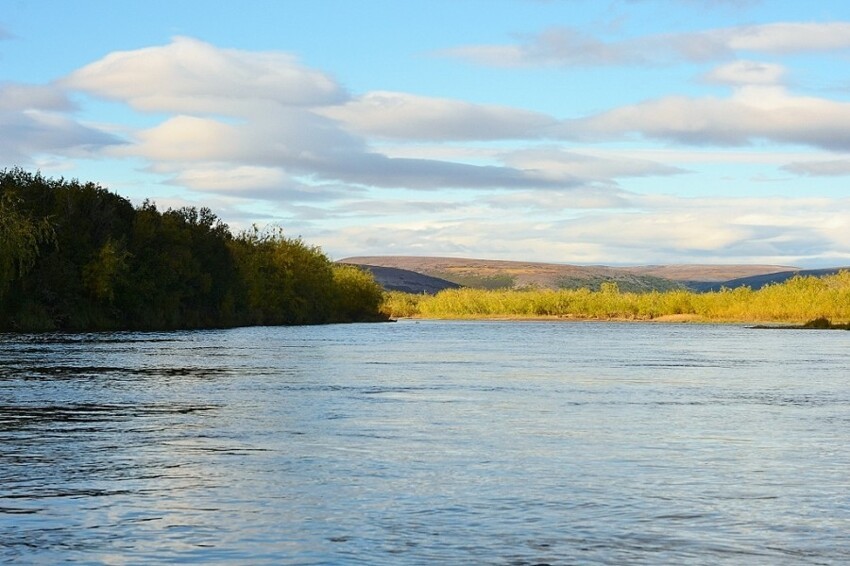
<point x="797" y="300"/>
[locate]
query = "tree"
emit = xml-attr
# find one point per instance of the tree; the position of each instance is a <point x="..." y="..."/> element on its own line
<point x="358" y="295"/>
<point x="114" y="266"/>
<point x="20" y="240"/>
<point x="102" y="274"/>
<point x="286" y="281"/>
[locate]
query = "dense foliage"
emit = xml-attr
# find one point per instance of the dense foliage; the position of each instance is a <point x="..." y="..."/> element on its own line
<point x="74" y="256"/>
<point x="797" y="300"/>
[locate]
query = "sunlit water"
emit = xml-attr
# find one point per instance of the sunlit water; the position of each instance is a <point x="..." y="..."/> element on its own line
<point x="427" y="442"/>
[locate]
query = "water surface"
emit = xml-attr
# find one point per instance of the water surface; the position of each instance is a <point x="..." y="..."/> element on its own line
<point x="427" y="442"/>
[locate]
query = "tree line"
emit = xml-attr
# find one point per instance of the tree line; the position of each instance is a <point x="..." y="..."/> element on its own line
<point x="75" y="256"/>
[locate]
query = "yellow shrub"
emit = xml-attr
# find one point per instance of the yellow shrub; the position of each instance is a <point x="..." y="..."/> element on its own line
<point x="797" y="300"/>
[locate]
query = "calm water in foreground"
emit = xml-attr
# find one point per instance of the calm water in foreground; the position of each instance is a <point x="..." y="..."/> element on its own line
<point x="427" y="442"/>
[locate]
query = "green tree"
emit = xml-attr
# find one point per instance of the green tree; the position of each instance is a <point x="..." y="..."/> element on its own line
<point x="358" y="295"/>
<point x="20" y="240"/>
<point x="74" y="256"/>
<point x="106" y="270"/>
<point x="286" y="281"/>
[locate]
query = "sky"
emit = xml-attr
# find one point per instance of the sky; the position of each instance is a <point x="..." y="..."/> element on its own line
<point x="618" y="132"/>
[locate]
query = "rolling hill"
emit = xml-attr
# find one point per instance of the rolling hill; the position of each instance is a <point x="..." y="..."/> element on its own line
<point x="431" y="274"/>
<point x="758" y="281"/>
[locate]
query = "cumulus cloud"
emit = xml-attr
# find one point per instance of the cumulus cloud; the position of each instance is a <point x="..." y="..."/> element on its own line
<point x="191" y="76"/>
<point x="265" y="110"/>
<point x="306" y="144"/>
<point x="570" y="47"/>
<point x="285" y="137"/>
<point x="752" y="113"/>
<point x="16" y="97"/>
<point x="34" y="120"/>
<point x="291" y="136"/>
<point x="410" y="117"/>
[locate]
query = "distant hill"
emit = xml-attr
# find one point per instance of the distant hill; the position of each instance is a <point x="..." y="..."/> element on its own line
<point x="758" y="281"/>
<point x="496" y="274"/>
<point x="708" y="273"/>
<point x="394" y="279"/>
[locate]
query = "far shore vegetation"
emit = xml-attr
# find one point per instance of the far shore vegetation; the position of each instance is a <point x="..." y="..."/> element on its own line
<point x="822" y="302"/>
<point x="74" y="256"/>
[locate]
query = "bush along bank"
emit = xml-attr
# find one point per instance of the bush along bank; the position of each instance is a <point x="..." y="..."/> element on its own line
<point x="795" y="301"/>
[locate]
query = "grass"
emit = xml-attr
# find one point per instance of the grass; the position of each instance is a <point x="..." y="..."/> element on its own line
<point x="795" y="301"/>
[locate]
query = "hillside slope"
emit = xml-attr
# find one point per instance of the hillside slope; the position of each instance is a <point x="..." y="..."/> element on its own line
<point x="756" y="282"/>
<point x="493" y="274"/>
<point x="394" y="279"/>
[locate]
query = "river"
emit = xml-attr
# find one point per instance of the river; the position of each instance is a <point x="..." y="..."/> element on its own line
<point x="423" y="442"/>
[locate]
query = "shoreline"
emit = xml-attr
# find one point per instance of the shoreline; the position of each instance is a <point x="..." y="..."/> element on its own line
<point x="666" y="319"/>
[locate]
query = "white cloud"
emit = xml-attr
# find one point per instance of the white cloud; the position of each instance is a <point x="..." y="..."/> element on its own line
<point x="16" y="97"/>
<point x="264" y="110"/>
<point x="752" y="113"/>
<point x="787" y="37"/>
<point x="285" y="137"/>
<point x="191" y="76"/>
<point x="410" y="117"/>
<point x="253" y="182"/>
<point x="568" y="47"/>
<point x="747" y="73"/>
<point x="381" y="171"/>
<point x="557" y="203"/>
<point x="554" y="163"/>
<point x="243" y="180"/>
<point x="34" y="121"/>
<point x="563" y="205"/>
<point x="305" y="144"/>
<point x="828" y="168"/>
<point x="653" y="230"/>
<point x="310" y="144"/>
<point x="298" y="122"/>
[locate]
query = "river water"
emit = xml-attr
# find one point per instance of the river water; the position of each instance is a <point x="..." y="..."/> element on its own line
<point x="427" y="442"/>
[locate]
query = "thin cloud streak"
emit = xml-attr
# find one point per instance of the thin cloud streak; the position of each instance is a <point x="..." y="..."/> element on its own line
<point x="793" y="231"/>
<point x="572" y="47"/>
<point x="829" y="168"/>
<point x="404" y="116"/>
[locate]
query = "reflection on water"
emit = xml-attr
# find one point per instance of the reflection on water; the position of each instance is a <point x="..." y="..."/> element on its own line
<point x="413" y="443"/>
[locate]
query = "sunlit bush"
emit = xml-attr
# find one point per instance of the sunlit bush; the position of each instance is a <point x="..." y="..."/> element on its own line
<point x="357" y="295"/>
<point x="797" y="300"/>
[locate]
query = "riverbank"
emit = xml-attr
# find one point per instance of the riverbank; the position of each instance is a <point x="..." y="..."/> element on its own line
<point x="794" y="302"/>
<point x="816" y="324"/>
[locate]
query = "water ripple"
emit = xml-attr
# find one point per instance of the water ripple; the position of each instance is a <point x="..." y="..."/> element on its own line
<point x="457" y="442"/>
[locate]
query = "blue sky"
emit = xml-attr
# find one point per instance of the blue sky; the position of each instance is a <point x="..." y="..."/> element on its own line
<point x="573" y="131"/>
